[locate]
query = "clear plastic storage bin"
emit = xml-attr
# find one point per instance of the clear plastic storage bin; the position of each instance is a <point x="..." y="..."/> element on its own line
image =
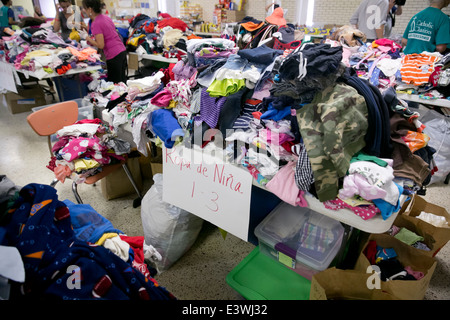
<point x="302" y="239"/>
<point x="85" y="108"/>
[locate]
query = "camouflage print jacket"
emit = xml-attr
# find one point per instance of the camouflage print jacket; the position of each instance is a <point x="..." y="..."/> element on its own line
<point x="333" y="127"/>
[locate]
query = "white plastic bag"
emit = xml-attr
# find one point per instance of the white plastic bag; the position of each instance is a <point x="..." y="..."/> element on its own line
<point x="170" y="230"/>
<point x="438" y="129"/>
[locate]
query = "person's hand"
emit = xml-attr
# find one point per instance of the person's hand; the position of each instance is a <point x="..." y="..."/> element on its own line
<point x="83" y="34"/>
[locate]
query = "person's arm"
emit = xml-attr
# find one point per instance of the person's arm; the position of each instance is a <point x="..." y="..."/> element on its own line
<point x="57" y="23"/>
<point x="354" y="18"/>
<point x="404" y="42"/>
<point x="11" y="20"/>
<point x="98" y="41"/>
<point x="380" y="32"/>
<point x="441" y="48"/>
<point x="268" y="7"/>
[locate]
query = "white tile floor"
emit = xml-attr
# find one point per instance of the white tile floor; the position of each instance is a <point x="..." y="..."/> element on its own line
<point x="200" y="273"/>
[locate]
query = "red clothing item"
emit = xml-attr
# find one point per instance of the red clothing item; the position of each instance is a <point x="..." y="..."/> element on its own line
<point x="137" y="244"/>
<point x="174" y="23"/>
<point x="165" y="15"/>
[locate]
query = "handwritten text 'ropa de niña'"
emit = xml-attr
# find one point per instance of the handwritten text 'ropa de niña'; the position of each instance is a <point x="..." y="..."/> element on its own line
<point x="219" y="175"/>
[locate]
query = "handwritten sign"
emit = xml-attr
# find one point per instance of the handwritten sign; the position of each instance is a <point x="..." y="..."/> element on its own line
<point x="205" y="186"/>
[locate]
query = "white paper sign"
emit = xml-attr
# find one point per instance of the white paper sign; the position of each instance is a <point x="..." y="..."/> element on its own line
<point x="7" y="79"/>
<point x="205" y="186"/>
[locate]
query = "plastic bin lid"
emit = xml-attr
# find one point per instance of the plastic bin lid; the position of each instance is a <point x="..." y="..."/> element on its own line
<point x="259" y="277"/>
<point x="303" y="234"/>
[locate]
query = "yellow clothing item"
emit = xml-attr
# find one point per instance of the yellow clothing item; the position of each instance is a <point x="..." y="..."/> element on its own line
<point x="85" y="164"/>
<point x="106" y="236"/>
<point x="74" y="35"/>
<point x="172" y="104"/>
<point x="32" y="54"/>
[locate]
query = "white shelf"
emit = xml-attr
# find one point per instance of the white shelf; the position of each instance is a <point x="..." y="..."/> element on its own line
<point x="348" y="217"/>
<point x="55" y="74"/>
<point x="445" y="103"/>
<point x="159" y="58"/>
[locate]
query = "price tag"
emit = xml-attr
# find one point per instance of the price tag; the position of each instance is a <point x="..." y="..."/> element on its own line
<point x="206" y="186"/>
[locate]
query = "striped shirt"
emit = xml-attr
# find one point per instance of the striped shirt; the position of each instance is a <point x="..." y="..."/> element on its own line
<point x="417" y="68"/>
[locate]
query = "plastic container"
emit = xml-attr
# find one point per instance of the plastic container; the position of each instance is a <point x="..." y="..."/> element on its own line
<point x="258" y="277"/>
<point x="300" y="238"/>
<point x="85" y="108"/>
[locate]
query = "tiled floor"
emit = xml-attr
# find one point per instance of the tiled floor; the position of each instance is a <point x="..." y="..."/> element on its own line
<point x="200" y="273"/>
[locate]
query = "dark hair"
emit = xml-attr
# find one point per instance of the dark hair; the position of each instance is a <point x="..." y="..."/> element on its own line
<point x="276" y="6"/>
<point x="96" y="5"/>
<point x="5" y="2"/>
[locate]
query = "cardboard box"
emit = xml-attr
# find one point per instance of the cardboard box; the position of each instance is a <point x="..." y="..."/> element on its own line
<point x="133" y="61"/>
<point x="337" y="284"/>
<point x="25" y="99"/>
<point x="434" y="237"/>
<point x="117" y="184"/>
<point x="407" y="256"/>
<point x="233" y="16"/>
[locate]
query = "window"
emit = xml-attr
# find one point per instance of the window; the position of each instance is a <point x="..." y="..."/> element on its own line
<point x="305" y="12"/>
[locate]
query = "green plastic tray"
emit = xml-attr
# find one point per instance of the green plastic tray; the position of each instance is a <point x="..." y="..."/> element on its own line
<point x="259" y="277"/>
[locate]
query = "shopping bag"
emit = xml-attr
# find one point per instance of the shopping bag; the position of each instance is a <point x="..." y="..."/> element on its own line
<point x="338" y="284"/>
<point x="408" y="257"/>
<point x="434" y="237"/>
<point x="169" y="229"/>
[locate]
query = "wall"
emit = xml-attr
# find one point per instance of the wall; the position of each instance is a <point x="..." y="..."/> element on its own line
<point x="325" y="11"/>
<point x="253" y="8"/>
<point x="341" y="11"/>
<point x="27" y="4"/>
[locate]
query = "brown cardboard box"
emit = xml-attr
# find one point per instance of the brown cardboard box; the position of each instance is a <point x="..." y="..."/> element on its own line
<point x="133" y="61"/>
<point x="407" y="256"/>
<point x="25" y="99"/>
<point x="434" y="237"/>
<point x="117" y="184"/>
<point x="233" y="16"/>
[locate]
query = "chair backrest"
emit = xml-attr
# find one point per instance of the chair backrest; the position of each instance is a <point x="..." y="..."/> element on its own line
<point x="49" y="120"/>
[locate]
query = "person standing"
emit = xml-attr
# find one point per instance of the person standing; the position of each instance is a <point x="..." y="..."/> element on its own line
<point x="428" y="30"/>
<point x="394" y="11"/>
<point x="67" y="17"/>
<point x="7" y="18"/>
<point x="107" y="38"/>
<point x="370" y="18"/>
<point x="272" y="6"/>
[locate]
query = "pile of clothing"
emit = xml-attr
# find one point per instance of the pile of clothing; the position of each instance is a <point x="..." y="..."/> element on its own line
<point x="43" y="52"/>
<point x="409" y="237"/>
<point x="84" y="148"/>
<point x="384" y="65"/>
<point x="70" y="252"/>
<point x="147" y="35"/>
<point x="300" y="121"/>
<point x="390" y="266"/>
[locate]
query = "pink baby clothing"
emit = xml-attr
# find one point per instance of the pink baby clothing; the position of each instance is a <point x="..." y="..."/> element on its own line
<point x="356" y="184"/>
<point x="365" y="212"/>
<point x="284" y="187"/>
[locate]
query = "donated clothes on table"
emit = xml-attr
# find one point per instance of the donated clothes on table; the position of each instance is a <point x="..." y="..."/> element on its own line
<point x="39" y="225"/>
<point x="43" y="52"/>
<point x="305" y="118"/>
